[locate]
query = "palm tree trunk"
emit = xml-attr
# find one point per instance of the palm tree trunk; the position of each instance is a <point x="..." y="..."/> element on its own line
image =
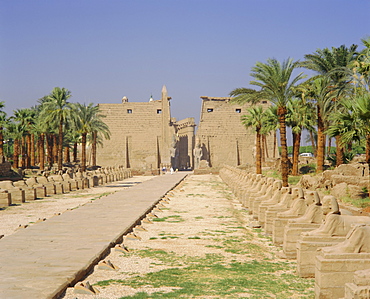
<point x="16" y="154"/>
<point x="313" y="143"/>
<point x="42" y="151"/>
<point x="75" y="152"/>
<point x="339" y="151"/>
<point x="320" y="142"/>
<point x="66" y="155"/>
<point x="32" y="151"/>
<point x="55" y="149"/>
<point x="266" y="147"/>
<point x="262" y="144"/>
<point x="284" y="148"/>
<point x="60" y="145"/>
<point x="296" y="145"/>
<point x="367" y="157"/>
<point x="93" y="148"/>
<point x="258" y="152"/>
<point x="50" y="147"/>
<point x="28" y="151"/>
<point x="275" y="142"/>
<point x="23" y="152"/>
<point x="368" y="149"/>
<point x="2" y="145"/>
<point x="83" y="158"/>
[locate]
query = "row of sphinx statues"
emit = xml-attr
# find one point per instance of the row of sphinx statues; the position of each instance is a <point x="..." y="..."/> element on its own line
<point x="327" y="240"/>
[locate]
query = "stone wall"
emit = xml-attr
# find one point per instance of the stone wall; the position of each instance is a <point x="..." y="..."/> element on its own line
<point x="223" y="138"/>
<point x="144" y="136"/>
<point x="185" y="132"/>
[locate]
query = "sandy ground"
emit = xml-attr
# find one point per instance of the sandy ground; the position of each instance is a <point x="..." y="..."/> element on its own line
<point x="26" y="214"/>
<point x="196" y="210"/>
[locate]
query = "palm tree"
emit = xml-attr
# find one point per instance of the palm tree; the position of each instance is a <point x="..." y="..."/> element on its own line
<point x="299" y="117"/>
<point x="89" y="121"/>
<point x="3" y="122"/>
<point x="353" y="122"/>
<point x="100" y="131"/>
<point x="362" y="65"/>
<point x="271" y="124"/>
<point x="16" y="132"/>
<point x="277" y="84"/>
<point x="56" y="107"/>
<point x="255" y="119"/>
<point x="246" y="95"/>
<point x="321" y="92"/>
<point x="335" y="64"/>
<point x="26" y="118"/>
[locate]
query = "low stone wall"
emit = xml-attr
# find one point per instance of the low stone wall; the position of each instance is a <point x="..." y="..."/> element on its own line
<point x="41" y="186"/>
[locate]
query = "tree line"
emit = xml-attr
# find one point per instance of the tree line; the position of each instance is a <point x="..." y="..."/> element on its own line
<point x="334" y="102"/>
<point x="49" y="133"/>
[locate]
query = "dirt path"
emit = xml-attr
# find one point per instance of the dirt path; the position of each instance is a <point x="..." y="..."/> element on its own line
<point x="200" y="246"/>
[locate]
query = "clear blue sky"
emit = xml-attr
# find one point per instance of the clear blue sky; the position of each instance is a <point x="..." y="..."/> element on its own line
<point x="104" y="50"/>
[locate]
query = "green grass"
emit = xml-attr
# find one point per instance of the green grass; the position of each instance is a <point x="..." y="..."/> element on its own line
<point x="171" y="219"/>
<point x="293" y="180"/>
<point x="195" y="195"/>
<point x="359" y="203"/>
<point x="210" y="277"/>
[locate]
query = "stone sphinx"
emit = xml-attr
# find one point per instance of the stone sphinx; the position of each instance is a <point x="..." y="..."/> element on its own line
<point x="271" y="211"/>
<point x="297" y="209"/>
<point x="336" y="265"/>
<point x="311" y="220"/>
<point x="253" y="187"/>
<point x="270" y="191"/>
<point x="272" y="201"/>
<point x="265" y="189"/>
<point x="331" y="232"/>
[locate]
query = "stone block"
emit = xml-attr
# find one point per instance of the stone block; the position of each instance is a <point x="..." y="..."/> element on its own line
<point x="17" y="195"/>
<point x="360" y="287"/>
<point x="292" y="233"/>
<point x="5" y="199"/>
<point x="39" y="188"/>
<point x="307" y="248"/>
<point x="333" y="271"/>
<point x="339" y="190"/>
<point x="50" y="186"/>
<point x="61" y="185"/>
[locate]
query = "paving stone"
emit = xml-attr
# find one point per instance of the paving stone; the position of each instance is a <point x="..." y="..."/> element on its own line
<point x="42" y="260"/>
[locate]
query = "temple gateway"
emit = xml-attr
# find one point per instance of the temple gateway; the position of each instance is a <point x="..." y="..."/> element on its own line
<point x="145" y="138"/>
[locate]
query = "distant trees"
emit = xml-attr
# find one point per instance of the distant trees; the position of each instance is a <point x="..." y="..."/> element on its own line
<point x="277" y="83"/>
<point x="42" y="135"/>
<point x="255" y="119"/>
<point x="88" y="120"/>
<point x="334" y="102"/>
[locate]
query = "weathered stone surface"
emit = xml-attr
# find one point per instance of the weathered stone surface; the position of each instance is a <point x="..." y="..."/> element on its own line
<point x="339" y="190"/>
<point x="332" y="232"/>
<point x="144" y="136"/>
<point x="223" y="138"/>
<point x="335" y="266"/>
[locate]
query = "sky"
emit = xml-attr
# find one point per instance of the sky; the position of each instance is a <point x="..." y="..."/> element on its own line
<point x="104" y="50"/>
